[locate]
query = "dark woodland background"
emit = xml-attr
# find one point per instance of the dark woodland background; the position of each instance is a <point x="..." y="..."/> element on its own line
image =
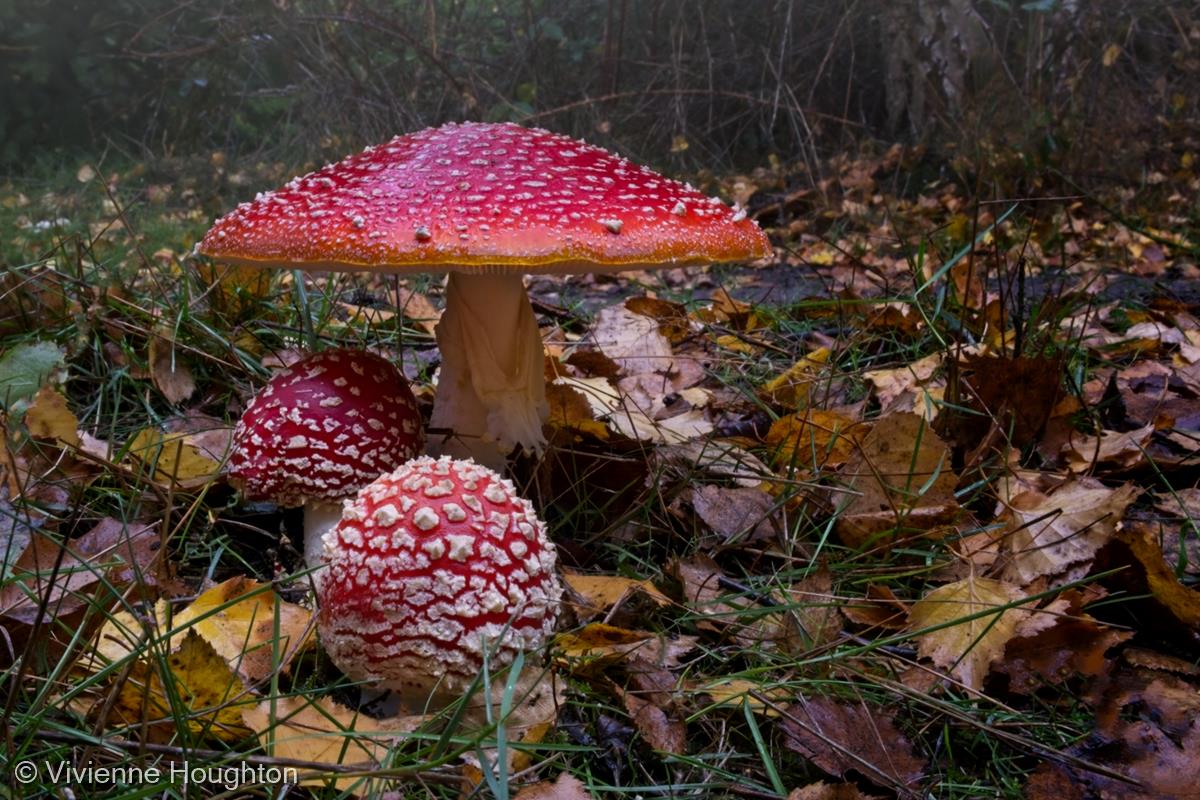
<point x="1090" y="91"/>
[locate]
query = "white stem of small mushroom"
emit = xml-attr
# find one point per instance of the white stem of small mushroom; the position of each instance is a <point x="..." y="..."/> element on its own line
<point x="319" y="518"/>
<point x="492" y="389"/>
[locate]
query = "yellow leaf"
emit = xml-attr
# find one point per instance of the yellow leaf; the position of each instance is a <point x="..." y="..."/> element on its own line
<point x="737" y="344"/>
<point x="171" y="459"/>
<point x="598" y="641"/>
<point x="812" y="439"/>
<point x="234" y="290"/>
<point x="202" y="690"/>
<point x="50" y="418"/>
<point x="570" y="411"/>
<point x="1111" y="53"/>
<point x="324" y="732"/>
<point x="601" y="592"/>
<point x="793" y="387"/>
<point x="736" y="691"/>
<point x="967" y="647"/>
<point x="238" y="618"/>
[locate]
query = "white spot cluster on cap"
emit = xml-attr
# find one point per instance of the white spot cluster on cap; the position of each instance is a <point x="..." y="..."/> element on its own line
<point x="325" y="427"/>
<point x="484" y="194"/>
<point x="417" y="597"/>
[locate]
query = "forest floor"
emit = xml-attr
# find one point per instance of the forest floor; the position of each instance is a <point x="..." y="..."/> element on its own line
<point x="908" y="510"/>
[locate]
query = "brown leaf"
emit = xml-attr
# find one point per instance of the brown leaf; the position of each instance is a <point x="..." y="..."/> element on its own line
<point x="672" y="318"/>
<point x="795" y="386"/>
<point x="830" y="791"/>
<point x="737" y="515"/>
<point x="571" y="412"/>
<point x="600" y="645"/>
<point x="1016" y="394"/>
<point x="1075" y="644"/>
<point x="660" y="730"/>
<point x="565" y="787"/>
<point x="840" y="737"/>
<point x="899" y="478"/>
<point x="1109" y="449"/>
<point x="112" y="552"/>
<point x="416" y="307"/>
<point x="1057" y="535"/>
<point x="881" y="608"/>
<point x="170" y="375"/>
<point x="905" y="388"/>
<point x="967" y="647"/>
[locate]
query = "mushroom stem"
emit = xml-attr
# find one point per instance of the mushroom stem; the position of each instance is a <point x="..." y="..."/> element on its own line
<point x="319" y="518"/>
<point x="491" y="394"/>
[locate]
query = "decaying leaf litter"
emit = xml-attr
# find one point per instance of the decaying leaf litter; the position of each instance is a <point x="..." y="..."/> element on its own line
<point x="907" y="509"/>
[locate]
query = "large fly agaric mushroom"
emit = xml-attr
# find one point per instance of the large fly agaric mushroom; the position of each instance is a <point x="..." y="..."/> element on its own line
<point x="487" y="203"/>
<point x="319" y="431"/>
<point x="432" y="566"/>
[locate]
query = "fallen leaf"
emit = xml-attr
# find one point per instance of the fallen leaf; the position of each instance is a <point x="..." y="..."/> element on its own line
<point x="1058" y="534"/>
<point x="249" y="626"/>
<point x="904" y="388"/>
<point x="416" y="307"/>
<point x="570" y="411"/>
<point x="234" y="290"/>
<point x="1108" y="449"/>
<point x="24" y="368"/>
<point x="812" y="439"/>
<point x="171" y="459"/>
<point x="795" y="386"/>
<point x="830" y="791"/>
<point x="660" y="730"/>
<point x="898" y="480"/>
<point x="967" y="647"/>
<point x="170" y="375"/>
<point x="1073" y="644"/>
<point x="63" y="576"/>
<point x="203" y="692"/>
<point x="600" y="644"/>
<point x="631" y="340"/>
<point x="1181" y="601"/>
<point x="841" y="737"/>
<point x="738" y="691"/>
<point x="320" y="730"/>
<point x="598" y="593"/>
<point x="49" y="417"/>
<point x="565" y="787"/>
<point x="736" y="514"/>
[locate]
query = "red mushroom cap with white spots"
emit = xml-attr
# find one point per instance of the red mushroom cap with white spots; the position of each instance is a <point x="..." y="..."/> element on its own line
<point x="325" y="427"/>
<point x="484" y="196"/>
<point x="431" y="566"/>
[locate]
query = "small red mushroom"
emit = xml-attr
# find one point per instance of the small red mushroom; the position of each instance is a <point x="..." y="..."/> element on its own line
<point x="487" y="202"/>
<point x="319" y="431"/>
<point x="432" y="566"/>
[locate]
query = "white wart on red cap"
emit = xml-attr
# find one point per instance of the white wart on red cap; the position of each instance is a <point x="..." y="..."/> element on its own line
<point x="323" y="428"/>
<point x="431" y="566"/>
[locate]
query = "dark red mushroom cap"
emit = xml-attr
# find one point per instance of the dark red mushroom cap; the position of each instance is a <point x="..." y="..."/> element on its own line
<point x="430" y="566"/>
<point x="484" y="195"/>
<point x="325" y="427"/>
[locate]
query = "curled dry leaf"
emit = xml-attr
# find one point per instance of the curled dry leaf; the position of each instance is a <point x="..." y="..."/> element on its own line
<point x="972" y="627"/>
<point x="1181" y="601"/>
<point x="906" y="388"/>
<point x="841" y="737"/>
<point x="598" y="645"/>
<point x="1057" y="535"/>
<point x="899" y="480"/>
<point x="796" y="386"/>
<point x="1108" y="450"/>
<point x="571" y="412"/>
<point x="632" y="340"/>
